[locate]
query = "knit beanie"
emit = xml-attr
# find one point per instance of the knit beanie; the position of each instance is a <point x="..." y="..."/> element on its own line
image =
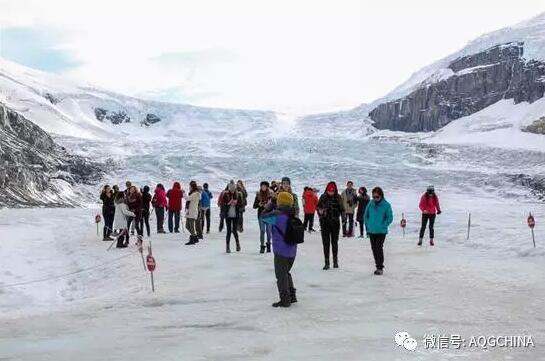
<point x="284" y="199"/>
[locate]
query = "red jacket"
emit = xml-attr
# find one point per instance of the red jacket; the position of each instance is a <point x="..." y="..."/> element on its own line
<point x="429" y="204"/>
<point x="311" y="201"/>
<point x="160" y="198"/>
<point x="175" y="196"/>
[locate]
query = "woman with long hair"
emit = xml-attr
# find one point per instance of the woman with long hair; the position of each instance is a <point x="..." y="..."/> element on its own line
<point x="242" y="208"/>
<point x="231" y="203"/>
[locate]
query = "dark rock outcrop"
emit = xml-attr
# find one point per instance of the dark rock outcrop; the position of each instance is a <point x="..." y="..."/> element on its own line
<point x="537" y="127"/>
<point x="35" y="171"/>
<point x="150" y="119"/>
<point x="535" y="183"/>
<point x="479" y="81"/>
<point x="116" y="117"/>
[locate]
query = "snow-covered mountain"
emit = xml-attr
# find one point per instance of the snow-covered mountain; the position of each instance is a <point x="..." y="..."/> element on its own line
<point x="62" y="107"/>
<point x="506" y="66"/>
<point x="35" y="170"/>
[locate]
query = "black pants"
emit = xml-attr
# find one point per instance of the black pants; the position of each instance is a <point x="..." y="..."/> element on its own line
<point x="240" y="221"/>
<point x="377" y="244"/>
<point x="222" y="222"/>
<point x="330" y="238"/>
<point x="284" y="282"/>
<point x="232" y="224"/>
<point x="108" y="215"/>
<point x="425" y="218"/>
<point x="137" y="222"/>
<point x="362" y="225"/>
<point x="160" y="215"/>
<point x="348" y="220"/>
<point x="176" y="225"/>
<point x="144" y="221"/>
<point x="309" y="221"/>
<point x="205" y="217"/>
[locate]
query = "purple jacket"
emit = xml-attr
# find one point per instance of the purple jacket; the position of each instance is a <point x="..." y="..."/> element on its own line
<point x="278" y="219"/>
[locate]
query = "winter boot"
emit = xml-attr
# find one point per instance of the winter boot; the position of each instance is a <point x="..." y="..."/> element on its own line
<point x="326" y="266"/>
<point x="431" y="242"/>
<point x="419" y="242"/>
<point x="120" y="243"/>
<point x="262" y="249"/>
<point x="268" y="247"/>
<point x="238" y="246"/>
<point x="192" y="241"/>
<point x="335" y="263"/>
<point x="293" y="295"/>
<point x="227" y="248"/>
<point x="281" y="304"/>
<point x="378" y="272"/>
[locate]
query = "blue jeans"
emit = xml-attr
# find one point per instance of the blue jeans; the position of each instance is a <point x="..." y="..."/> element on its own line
<point x="264" y="228"/>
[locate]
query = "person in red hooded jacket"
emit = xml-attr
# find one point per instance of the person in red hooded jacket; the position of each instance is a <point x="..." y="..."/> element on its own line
<point x="160" y="202"/>
<point x="429" y="205"/>
<point x="310" y="201"/>
<point x="174" y="195"/>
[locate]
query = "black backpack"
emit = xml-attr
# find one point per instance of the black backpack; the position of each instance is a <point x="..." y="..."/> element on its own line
<point x="295" y="231"/>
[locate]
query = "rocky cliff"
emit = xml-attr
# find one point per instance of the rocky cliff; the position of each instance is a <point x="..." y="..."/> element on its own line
<point x="35" y="171"/>
<point x="469" y="84"/>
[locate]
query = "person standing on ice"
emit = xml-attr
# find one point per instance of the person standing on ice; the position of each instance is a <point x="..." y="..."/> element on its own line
<point x="349" y="197"/>
<point x="220" y="207"/>
<point x="284" y="252"/>
<point x="262" y="198"/>
<point x="134" y="202"/>
<point x="174" y="195"/>
<point x="146" y="202"/>
<point x="121" y="220"/>
<point x="159" y="202"/>
<point x="378" y="216"/>
<point x="206" y="197"/>
<point x="231" y="201"/>
<point x="108" y="211"/>
<point x="429" y="205"/>
<point x="363" y="201"/>
<point x="285" y="186"/>
<point x="310" y="201"/>
<point x="330" y="209"/>
<point x="244" y="195"/>
<point x="192" y="213"/>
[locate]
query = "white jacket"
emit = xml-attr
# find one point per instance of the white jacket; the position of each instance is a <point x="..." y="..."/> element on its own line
<point x="121" y="214"/>
<point x="193" y="208"/>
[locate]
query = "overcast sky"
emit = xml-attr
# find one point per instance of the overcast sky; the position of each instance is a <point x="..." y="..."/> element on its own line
<point x="287" y="55"/>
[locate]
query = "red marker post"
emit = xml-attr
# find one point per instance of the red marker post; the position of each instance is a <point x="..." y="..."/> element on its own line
<point x="150" y="262"/>
<point x="532" y="223"/>
<point x="97" y="221"/>
<point x="403" y="223"/>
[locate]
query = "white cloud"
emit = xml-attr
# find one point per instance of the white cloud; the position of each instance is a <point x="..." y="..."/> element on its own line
<point x="286" y="55"/>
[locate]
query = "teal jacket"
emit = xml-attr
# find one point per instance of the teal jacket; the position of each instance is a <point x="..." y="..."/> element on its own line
<point x="377" y="217"/>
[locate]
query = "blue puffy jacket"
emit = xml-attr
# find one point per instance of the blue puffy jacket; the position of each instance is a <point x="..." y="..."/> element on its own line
<point x="378" y="216"/>
<point x="205" y="198"/>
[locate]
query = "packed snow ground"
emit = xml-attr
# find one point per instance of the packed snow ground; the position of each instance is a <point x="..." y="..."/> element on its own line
<point x="212" y="306"/>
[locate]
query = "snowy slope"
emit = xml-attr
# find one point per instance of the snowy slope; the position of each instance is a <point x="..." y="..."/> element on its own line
<point x="62" y="107"/>
<point x="500" y="125"/>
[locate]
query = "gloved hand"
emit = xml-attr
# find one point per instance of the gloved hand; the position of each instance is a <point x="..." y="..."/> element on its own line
<point x="438" y="212"/>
